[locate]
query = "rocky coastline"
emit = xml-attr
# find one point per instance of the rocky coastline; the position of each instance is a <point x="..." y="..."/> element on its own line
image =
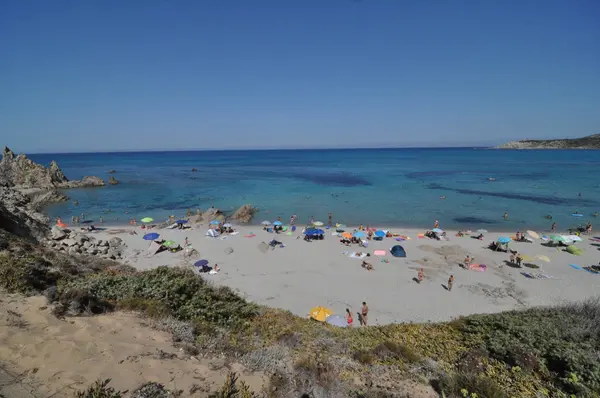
<point x="588" y="142"/>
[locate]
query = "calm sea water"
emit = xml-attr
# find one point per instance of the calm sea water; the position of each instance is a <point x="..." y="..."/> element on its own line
<point x="400" y="187"/>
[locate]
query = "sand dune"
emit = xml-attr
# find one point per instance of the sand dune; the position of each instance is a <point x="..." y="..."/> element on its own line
<point x="43" y="356"/>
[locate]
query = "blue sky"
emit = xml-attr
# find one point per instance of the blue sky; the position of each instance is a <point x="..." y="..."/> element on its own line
<point x="144" y="74"/>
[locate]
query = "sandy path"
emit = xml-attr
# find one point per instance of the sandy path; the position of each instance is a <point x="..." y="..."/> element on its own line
<point x="43" y="356"/>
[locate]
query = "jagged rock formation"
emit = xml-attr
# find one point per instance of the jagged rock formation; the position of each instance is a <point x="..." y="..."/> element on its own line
<point x="589" y="142"/>
<point x="112" y="181"/>
<point x="19" y="217"/>
<point x="72" y="242"/>
<point x="245" y="213"/>
<point x="21" y="172"/>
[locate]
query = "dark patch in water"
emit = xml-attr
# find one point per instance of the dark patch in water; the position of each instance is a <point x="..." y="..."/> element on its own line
<point x="424" y="174"/>
<point x="548" y="200"/>
<point x="473" y="220"/>
<point x="444" y="173"/>
<point x="333" y="179"/>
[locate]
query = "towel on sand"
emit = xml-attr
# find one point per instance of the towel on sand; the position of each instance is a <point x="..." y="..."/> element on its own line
<point x="379" y="252"/>
<point x="355" y="255"/>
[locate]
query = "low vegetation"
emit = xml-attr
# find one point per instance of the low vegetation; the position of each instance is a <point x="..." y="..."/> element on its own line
<point x="553" y="352"/>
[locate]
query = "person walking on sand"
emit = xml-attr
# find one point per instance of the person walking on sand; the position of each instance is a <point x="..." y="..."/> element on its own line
<point x="420" y="275"/>
<point x="519" y="259"/>
<point x="349" y="319"/>
<point x="364" y="313"/>
<point x="186" y="243"/>
<point x="330" y="220"/>
<point x="553" y="228"/>
<point x="450" y="282"/>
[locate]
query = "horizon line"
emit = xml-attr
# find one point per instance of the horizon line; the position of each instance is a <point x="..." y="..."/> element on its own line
<point x="256" y="149"/>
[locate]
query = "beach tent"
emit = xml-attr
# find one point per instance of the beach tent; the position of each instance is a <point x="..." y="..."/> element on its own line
<point x="154" y="248"/>
<point x="398" y="251"/>
<point x="212" y="233"/>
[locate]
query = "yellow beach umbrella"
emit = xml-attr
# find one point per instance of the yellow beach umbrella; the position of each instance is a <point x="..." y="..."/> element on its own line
<point x="533" y="234"/>
<point x="320" y="313"/>
<point x="543" y="258"/>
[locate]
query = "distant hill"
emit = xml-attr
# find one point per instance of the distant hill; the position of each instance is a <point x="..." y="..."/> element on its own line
<point x="589" y="142"/>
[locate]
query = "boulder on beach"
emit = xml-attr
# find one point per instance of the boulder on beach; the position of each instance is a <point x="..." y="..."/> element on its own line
<point x="211" y="214"/>
<point x="113" y="181"/>
<point x="245" y="213"/>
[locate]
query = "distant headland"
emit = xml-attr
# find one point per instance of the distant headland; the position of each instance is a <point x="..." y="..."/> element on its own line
<point x="588" y="142"/>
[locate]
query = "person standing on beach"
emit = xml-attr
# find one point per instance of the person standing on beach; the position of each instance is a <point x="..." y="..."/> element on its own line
<point x="185" y="242"/>
<point x="364" y="313"/>
<point x="553" y="229"/>
<point x="468" y="261"/>
<point x="450" y="282"/>
<point x="349" y="319"/>
<point x="101" y="220"/>
<point x="330" y="220"/>
<point x="420" y="275"/>
<point x="436" y="224"/>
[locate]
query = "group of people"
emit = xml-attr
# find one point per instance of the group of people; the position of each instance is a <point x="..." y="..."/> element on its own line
<point x="362" y="315"/>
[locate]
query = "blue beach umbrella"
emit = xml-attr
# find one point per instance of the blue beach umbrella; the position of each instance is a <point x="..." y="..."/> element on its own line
<point x="181" y="221"/>
<point x="151" y="236"/>
<point x="201" y="263"/>
<point x="359" y="234"/>
<point x="398" y="251"/>
<point x="380" y="234"/>
<point x="278" y="223"/>
<point x="319" y="232"/>
<point x="437" y="230"/>
<point x="310" y="231"/>
<point x="337" y="320"/>
<point x="504" y="239"/>
<point x="215" y="222"/>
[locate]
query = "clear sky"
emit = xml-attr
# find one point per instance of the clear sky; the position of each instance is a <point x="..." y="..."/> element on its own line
<point x="94" y="75"/>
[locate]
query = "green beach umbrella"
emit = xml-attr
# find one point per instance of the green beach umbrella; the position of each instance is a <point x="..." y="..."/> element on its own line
<point x="558" y="238"/>
<point x="147" y="219"/>
<point x="170" y="243"/>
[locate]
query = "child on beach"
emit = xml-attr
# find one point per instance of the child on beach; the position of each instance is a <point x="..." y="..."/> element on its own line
<point x="450" y="282"/>
<point x="420" y="275"/>
<point x="349" y="319"/>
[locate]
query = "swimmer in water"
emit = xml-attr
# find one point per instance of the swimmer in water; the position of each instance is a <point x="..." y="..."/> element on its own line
<point x="595" y="214"/>
<point x="443" y="197"/>
<point x="506" y="215"/>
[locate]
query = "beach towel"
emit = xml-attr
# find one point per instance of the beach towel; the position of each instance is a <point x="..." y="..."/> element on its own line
<point x="355" y="255"/>
<point x="172" y="226"/>
<point x="421" y="236"/>
<point x="250" y="236"/>
<point x="379" y="252"/>
<point x="234" y="233"/>
<point x="478" y="267"/>
<point x="576" y="266"/>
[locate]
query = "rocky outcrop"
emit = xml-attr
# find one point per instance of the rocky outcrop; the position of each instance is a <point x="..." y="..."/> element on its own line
<point x="19" y="217"/>
<point x="21" y="173"/>
<point x="589" y="142"/>
<point x="112" y="171"/>
<point x="245" y="213"/>
<point x="73" y="242"/>
<point x="113" y="181"/>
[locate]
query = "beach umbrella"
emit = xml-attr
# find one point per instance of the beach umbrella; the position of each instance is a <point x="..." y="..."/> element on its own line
<point x="574" y="250"/>
<point x="543" y="258"/>
<point x="437" y="231"/>
<point x="337" y="320"/>
<point x="227" y="225"/>
<point x="215" y="222"/>
<point x="320" y="313"/>
<point x="151" y="236"/>
<point x="181" y="221"/>
<point x="504" y="239"/>
<point x="380" y="234"/>
<point x="170" y="243"/>
<point x="359" y="234"/>
<point x="573" y="238"/>
<point x="398" y="251"/>
<point x="278" y="223"/>
<point x="201" y="263"/>
<point x="533" y="234"/>
<point x="482" y="231"/>
<point x="310" y="231"/>
<point x="318" y="224"/>
<point x="266" y="223"/>
<point x="347" y="235"/>
<point x="147" y="219"/>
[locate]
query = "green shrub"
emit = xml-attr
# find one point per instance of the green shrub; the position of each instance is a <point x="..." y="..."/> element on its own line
<point x="455" y="386"/>
<point x="100" y="389"/>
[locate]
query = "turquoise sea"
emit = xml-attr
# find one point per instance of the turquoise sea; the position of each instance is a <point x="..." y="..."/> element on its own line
<point x="388" y="187"/>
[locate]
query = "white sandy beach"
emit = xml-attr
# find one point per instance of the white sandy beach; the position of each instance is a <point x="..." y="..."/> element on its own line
<point x="306" y="274"/>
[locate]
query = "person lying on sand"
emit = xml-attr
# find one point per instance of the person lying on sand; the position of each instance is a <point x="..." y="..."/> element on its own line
<point x="367" y="266"/>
